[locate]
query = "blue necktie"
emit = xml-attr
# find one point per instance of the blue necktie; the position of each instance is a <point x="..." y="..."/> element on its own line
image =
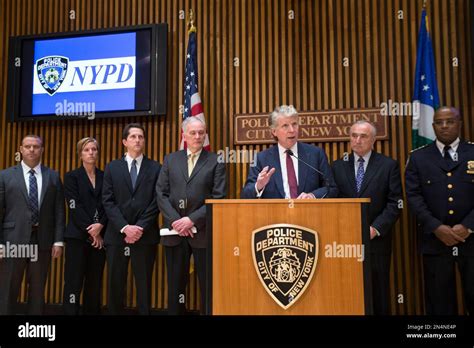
<point x="360" y="174"/>
<point x="133" y="173"/>
<point x="33" y="198"/>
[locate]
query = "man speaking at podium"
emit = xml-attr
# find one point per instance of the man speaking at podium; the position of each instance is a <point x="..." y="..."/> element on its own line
<point x="290" y="169"/>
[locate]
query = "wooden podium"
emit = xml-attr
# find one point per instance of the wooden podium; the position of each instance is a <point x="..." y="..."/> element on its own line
<point x="340" y="283"/>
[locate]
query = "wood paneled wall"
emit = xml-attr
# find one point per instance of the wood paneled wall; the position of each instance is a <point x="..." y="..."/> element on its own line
<point x="254" y="55"/>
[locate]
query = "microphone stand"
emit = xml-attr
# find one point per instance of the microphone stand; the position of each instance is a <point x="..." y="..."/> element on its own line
<point x="326" y="182"/>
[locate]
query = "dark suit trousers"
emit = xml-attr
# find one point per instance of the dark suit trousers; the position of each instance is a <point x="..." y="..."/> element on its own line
<point x="84" y="268"/>
<point x="440" y="283"/>
<point x="380" y="266"/>
<point x="177" y="264"/>
<point x="143" y="259"/>
<point x="11" y="276"/>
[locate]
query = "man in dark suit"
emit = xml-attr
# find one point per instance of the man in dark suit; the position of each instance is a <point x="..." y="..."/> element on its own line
<point x="440" y="191"/>
<point x="278" y="173"/>
<point x="367" y="174"/>
<point x="31" y="214"/>
<point x="187" y="179"/>
<point x="132" y="231"/>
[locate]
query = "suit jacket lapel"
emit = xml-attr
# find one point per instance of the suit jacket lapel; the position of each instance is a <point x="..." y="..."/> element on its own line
<point x="302" y="169"/>
<point x="85" y="179"/>
<point x="278" y="175"/>
<point x="370" y="172"/>
<point x="142" y="173"/>
<point x="438" y="158"/>
<point x="98" y="183"/>
<point x="199" y="164"/>
<point x="126" y="174"/>
<point x="21" y="181"/>
<point x="45" y="181"/>
<point x="183" y="164"/>
<point x="350" y="174"/>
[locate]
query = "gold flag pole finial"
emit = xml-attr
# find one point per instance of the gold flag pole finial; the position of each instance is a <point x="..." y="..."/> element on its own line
<point x="424" y="3"/>
<point x="191" y="26"/>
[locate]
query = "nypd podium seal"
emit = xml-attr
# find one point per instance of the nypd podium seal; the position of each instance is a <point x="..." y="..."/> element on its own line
<point x="285" y="257"/>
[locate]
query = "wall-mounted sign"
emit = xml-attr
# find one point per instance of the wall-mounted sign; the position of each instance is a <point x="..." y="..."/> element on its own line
<point x="314" y="126"/>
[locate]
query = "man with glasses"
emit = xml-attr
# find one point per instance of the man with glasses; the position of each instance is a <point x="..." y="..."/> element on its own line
<point x="440" y="191"/>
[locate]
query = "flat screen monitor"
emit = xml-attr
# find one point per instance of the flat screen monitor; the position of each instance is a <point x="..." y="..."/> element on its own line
<point x="102" y="73"/>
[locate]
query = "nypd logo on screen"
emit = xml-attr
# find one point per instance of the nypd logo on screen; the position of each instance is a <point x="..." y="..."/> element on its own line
<point x="57" y="74"/>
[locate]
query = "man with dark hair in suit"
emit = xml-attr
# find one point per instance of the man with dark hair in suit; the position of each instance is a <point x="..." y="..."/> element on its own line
<point x="368" y="174"/>
<point x="132" y="231"/>
<point x="440" y="191"/>
<point x="187" y="179"/>
<point x="278" y="173"/>
<point x="31" y="214"/>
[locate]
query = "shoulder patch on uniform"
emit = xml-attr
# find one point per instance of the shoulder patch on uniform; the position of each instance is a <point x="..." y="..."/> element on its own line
<point x="419" y="148"/>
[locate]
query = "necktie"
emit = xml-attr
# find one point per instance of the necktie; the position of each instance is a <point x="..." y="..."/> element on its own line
<point x="33" y="198"/>
<point x="447" y="156"/>
<point x="290" y="171"/>
<point x="133" y="173"/>
<point x="360" y="173"/>
<point x="191" y="159"/>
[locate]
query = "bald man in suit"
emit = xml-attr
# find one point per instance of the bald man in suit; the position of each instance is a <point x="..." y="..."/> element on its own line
<point x="31" y="214"/>
<point x="368" y="174"/>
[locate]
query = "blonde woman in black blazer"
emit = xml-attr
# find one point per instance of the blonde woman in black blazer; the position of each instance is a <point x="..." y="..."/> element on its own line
<point x="85" y="255"/>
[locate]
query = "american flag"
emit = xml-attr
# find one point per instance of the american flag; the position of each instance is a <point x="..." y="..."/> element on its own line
<point x="192" y="100"/>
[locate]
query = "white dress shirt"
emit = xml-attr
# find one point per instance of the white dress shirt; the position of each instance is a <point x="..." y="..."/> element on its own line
<point x="366" y="158"/>
<point x="39" y="184"/>
<point x="454" y="148"/>
<point x="197" y="154"/>
<point x="284" y="172"/>
<point x="129" y="160"/>
<point x="38" y="176"/>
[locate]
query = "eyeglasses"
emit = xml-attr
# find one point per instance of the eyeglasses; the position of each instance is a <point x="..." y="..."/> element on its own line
<point x="448" y="122"/>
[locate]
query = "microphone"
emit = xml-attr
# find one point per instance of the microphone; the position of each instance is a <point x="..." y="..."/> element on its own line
<point x="326" y="182"/>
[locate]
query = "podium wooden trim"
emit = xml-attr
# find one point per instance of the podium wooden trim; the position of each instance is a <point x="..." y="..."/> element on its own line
<point x="340" y="286"/>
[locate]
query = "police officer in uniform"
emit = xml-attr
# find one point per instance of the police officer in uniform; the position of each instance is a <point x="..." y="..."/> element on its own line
<point x="440" y="191"/>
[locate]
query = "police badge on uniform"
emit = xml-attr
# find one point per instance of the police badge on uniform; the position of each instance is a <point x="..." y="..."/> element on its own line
<point x="470" y="167"/>
<point x="51" y="71"/>
<point x="285" y="257"/>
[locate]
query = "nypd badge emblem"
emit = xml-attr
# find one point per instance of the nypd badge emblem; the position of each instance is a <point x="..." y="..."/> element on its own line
<point x="285" y="257"/>
<point x="51" y="72"/>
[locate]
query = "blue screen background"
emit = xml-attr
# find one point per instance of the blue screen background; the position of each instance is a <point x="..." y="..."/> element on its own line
<point x="85" y="48"/>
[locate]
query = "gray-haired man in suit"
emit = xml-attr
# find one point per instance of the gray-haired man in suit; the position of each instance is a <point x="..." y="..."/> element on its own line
<point x="187" y="179"/>
<point x="32" y="218"/>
